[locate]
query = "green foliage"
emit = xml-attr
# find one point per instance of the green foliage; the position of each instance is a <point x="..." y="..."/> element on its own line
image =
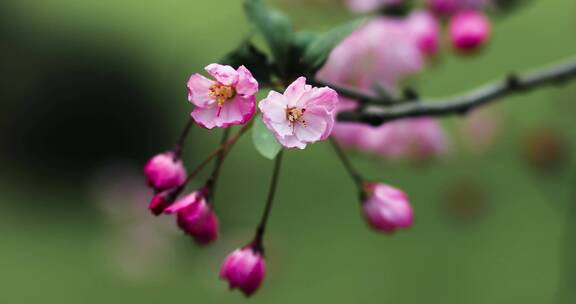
<point x="320" y="48"/>
<point x="253" y="59"/>
<point x="275" y="27"/>
<point x="264" y="140"/>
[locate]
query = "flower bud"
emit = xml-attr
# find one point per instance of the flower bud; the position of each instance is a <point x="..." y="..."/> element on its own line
<point x="195" y="217"/>
<point x="444" y="7"/>
<point x="469" y="30"/>
<point x="161" y="201"/>
<point x="165" y="171"/>
<point x="244" y="269"/>
<point x="386" y="208"/>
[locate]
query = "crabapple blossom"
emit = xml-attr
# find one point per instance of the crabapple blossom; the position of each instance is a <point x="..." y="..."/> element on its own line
<point x="228" y="100"/>
<point x="362" y="6"/>
<point x="426" y="31"/>
<point x="244" y="269"/>
<point x="386" y="208"/>
<point x="302" y="115"/>
<point x="383" y="52"/>
<point x="469" y="30"/>
<point x="414" y="139"/>
<point x="195" y="217"/>
<point x="165" y="171"/>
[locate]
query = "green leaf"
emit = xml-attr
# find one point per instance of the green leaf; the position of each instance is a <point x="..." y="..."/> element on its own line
<point x="274" y="25"/>
<point x="318" y="51"/>
<point x="252" y="58"/>
<point x="264" y="140"/>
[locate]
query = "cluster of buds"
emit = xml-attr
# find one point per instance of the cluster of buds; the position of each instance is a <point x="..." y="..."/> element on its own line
<point x="299" y="116"/>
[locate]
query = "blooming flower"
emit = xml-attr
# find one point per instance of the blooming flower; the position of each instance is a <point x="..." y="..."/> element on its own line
<point x="195" y="217"/>
<point x="386" y="208"/>
<point x="230" y="100"/>
<point x="244" y="269"/>
<point x="414" y="139"/>
<point x="362" y="6"/>
<point x="383" y="52"/>
<point x="469" y="30"/>
<point x="302" y="115"/>
<point x="165" y="171"/>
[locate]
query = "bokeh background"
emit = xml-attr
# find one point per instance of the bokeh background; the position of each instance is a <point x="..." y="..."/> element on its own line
<point x="90" y="89"/>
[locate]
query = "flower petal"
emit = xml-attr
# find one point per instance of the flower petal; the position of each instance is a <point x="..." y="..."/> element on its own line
<point x="247" y="84"/>
<point x="198" y="88"/>
<point x="224" y="74"/>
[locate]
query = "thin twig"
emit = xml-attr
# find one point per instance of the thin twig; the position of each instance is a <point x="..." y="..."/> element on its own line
<point x="347" y="164"/>
<point x="213" y="180"/>
<point x="182" y="139"/>
<point x="459" y="105"/>
<point x="257" y="244"/>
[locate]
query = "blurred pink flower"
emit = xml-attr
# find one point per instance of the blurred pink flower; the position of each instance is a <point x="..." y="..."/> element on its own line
<point x="362" y="6"/>
<point x="386" y="208"/>
<point x="225" y="102"/>
<point x="195" y="217"/>
<point x="382" y="52"/>
<point x="244" y="269"/>
<point x="469" y="30"/>
<point x="426" y="31"/>
<point x="302" y="115"/>
<point x="165" y="171"/>
<point x="414" y="139"/>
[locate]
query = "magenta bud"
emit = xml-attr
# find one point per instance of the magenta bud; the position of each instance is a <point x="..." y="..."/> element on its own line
<point x="469" y="30"/>
<point x="444" y="7"/>
<point x="386" y="208"/>
<point x="165" y="171"/>
<point x="244" y="269"/>
<point x="195" y="217"/>
<point x="161" y="201"/>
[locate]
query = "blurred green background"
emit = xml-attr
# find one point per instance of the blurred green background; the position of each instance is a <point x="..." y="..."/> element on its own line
<point x="90" y="89"/>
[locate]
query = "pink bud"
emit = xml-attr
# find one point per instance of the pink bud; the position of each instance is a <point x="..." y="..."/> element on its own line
<point x="244" y="269"/>
<point x="386" y="208"/>
<point x="195" y="217"/>
<point x="161" y="201"/>
<point x="469" y="30"/>
<point x="444" y="7"/>
<point x="165" y="171"/>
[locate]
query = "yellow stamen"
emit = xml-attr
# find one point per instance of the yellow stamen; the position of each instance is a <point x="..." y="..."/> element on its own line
<point x="221" y="93"/>
<point x="294" y="115"/>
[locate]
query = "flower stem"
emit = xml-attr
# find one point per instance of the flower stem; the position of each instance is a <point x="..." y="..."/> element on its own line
<point x="212" y="181"/>
<point x="222" y="150"/>
<point x="181" y="140"/>
<point x="257" y="244"/>
<point x="358" y="179"/>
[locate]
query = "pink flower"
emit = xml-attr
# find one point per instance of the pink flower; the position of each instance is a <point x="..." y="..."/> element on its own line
<point x="383" y="52"/>
<point x="225" y="102"/>
<point x="426" y="31"/>
<point x="244" y="269"/>
<point x="302" y="115"/>
<point x="414" y="139"/>
<point x="362" y="6"/>
<point x="195" y="217"/>
<point x="386" y="208"/>
<point x="469" y="30"/>
<point x="165" y="171"/>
